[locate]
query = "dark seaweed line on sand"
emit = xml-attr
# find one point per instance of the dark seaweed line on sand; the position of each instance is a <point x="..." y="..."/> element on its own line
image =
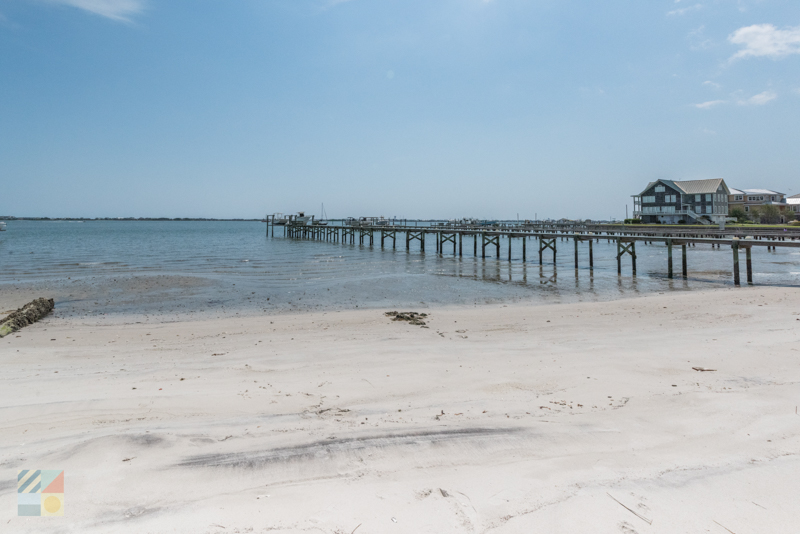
<point x="315" y="449"/>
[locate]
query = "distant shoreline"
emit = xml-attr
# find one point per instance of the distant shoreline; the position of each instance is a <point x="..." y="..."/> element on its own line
<point x="10" y="218"/>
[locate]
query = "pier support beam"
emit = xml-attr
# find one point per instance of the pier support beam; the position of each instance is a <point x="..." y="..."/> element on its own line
<point x="669" y="258"/>
<point x="735" y="247"/>
<point x="683" y="261"/>
<point x="749" y="260"/>
<point x="418" y="235"/>
<point x="545" y="243"/>
<point x="391" y="234"/>
<point x="491" y="240"/>
<point x="626" y="248"/>
<point x="576" y="252"/>
<point x="447" y="238"/>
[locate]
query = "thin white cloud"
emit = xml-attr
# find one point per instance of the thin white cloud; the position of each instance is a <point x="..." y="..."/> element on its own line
<point x="684" y="10"/>
<point x="709" y="104"/>
<point x="121" y="10"/>
<point x="709" y="83"/>
<point x="756" y="100"/>
<point x="698" y="39"/>
<point x="765" y="40"/>
<point x="759" y="100"/>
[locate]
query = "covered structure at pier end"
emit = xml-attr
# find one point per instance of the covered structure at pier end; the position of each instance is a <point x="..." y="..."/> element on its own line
<point x="689" y="201"/>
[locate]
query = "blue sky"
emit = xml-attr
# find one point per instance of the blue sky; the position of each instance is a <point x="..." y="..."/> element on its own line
<point x="408" y="108"/>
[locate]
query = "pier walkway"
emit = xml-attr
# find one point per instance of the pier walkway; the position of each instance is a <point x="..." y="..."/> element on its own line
<point x="547" y="236"/>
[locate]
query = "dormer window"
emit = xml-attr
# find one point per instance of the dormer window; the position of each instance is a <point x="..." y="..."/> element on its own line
<point x="660" y="189"/>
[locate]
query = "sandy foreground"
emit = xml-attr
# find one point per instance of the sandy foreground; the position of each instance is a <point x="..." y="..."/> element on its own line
<point x="568" y="418"/>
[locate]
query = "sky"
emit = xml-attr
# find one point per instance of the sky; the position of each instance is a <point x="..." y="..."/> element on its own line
<point x="402" y="108"/>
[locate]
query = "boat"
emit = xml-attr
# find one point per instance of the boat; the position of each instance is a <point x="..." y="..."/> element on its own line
<point x="301" y="219"/>
<point x="2" y="226"/>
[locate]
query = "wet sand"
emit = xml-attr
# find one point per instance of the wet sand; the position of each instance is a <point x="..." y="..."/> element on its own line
<point x="580" y="417"/>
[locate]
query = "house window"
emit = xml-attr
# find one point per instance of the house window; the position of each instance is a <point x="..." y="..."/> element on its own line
<point x="747" y="208"/>
<point x="659" y="189"/>
<point x="649" y="200"/>
<point x="708" y="198"/>
<point x="652" y="210"/>
<point x="708" y="209"/>
<point x="738" y="197"/>
<point x="697" y="198"/>
<point x="670" y="198"/>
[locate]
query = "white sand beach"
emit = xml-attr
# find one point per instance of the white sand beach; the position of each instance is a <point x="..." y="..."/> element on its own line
<point x="568" y="418"/>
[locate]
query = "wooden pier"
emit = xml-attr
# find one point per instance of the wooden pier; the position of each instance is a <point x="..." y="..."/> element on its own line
<point x="547" y="237"/>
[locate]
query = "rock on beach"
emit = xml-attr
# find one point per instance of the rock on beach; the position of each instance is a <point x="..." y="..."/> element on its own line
<point x="28" y="314"/>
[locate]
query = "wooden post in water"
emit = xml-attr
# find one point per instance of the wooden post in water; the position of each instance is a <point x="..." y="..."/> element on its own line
<point x="633" y="257"/>
<point x="509" y="247"/>
<point x="497" y="244"/>
<point x="669" y="258"/>
<point x="619" y="257"/>
<point x="460" y="244"/>
<point x="591" y="256"/>
<point x="749" y="261"/>
<point x="576" y="252"/>
<point x="735" y="247"/>
<point x="683" y="260"/>
<point x="483" y="245"/>
<point x="524" y="251"/>
<point x="540" y="250"/>
<point x="475" y="244"/>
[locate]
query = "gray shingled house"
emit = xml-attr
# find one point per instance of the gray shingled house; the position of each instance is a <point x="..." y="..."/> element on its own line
<point x="691" y="201"/>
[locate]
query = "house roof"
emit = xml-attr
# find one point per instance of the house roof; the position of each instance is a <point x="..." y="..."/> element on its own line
<point x="693" y="187"/>
<point x="795" y="196"/>
<point x="793" y="200"/>
<point x="756" y="192"/>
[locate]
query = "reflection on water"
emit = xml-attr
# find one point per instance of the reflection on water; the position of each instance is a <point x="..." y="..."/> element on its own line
<point x="232" y="266"/>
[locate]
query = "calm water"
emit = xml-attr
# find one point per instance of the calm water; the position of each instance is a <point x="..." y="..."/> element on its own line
<point x="109" y="267"/>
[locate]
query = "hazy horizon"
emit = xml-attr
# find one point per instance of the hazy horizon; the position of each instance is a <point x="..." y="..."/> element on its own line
<point x="408" y="109"/>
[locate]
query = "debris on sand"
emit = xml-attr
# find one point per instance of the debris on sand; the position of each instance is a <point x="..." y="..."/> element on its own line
<point x="410" y="317"/>
<point x="28" y="314"/>
<point x="703" y="369"/>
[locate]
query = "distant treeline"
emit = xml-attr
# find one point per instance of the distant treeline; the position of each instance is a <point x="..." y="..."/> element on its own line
<point x="12" y="218"/>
